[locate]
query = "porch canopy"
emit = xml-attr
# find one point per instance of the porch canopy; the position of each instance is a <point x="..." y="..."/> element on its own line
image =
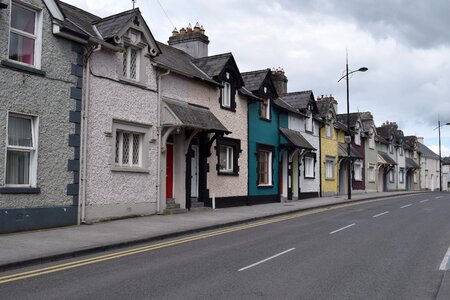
<point x="295" y="139"/>
<point x="177" y="113"/>
<point x="343" y="151"/>
<point x="385" y="159"/>
<point x="411" y="164"/>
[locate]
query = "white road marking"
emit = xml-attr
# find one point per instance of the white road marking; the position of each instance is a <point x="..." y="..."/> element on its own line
<point x="445" y="265"/>
<point x="407" y="205"/>
<point x="383" y="213"/>
<point x="264" y="260"/>
<point x="422" y="201"/>
<point x="342" y="228"/>
<point x="438" y="197"/>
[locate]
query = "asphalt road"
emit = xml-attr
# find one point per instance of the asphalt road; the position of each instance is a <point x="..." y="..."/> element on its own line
<point x="389" y="249"/>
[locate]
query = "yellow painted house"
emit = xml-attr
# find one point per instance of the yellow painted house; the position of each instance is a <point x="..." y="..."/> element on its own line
<point x="329" y="146"/>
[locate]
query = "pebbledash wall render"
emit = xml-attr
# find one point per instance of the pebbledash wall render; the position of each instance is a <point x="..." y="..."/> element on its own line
<point x="51" y="96"/>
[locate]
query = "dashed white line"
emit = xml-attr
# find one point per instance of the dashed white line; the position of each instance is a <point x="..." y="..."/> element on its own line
<point x="264" y="260"/>
<point x="445" y="265"/>
<point x="404" y="206"/>
<point x="345" y="227"/>
<point x="383" y="213"/>
<point x="422" y="201"/>
<point x="438" y="197"/>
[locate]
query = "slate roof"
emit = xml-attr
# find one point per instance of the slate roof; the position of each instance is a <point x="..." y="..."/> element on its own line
<point x="213" y="65"/>
<point x="181" y="62"/>
<point x="427" y="152"/>
<point x="323" y="108"/>
<point x="254" y="79"/>
<point x="386" y="158"/>
<point x="284" y="105"/>
<point x="446" y="160"/>
<point x="384" y="132"/>
<point x="411" y="164"/>
<point x="299" y="100"/>
<point x="111" y="26"/>
<point x="296" y="139"/>
<point x="78" y="20"/>
<point x="343" y="151"/>
<point x="340" y="126"/>
<point x="353" y="117"/>
<point x="195" y="116"/>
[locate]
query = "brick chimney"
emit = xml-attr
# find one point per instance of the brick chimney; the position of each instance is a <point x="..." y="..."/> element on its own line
<point x="192" y="41"/>
<point x="280" y="81"/>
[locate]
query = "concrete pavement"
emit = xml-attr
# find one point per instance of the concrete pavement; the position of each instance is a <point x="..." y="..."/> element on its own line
<point x="26" y="248"/>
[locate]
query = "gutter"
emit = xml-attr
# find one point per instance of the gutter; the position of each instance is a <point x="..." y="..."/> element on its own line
<point x="159" y="136"/>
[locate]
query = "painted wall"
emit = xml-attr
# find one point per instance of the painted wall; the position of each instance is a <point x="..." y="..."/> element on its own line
<point x="112" y="193"/>
<point x="207" y="95"/>
<point x="329" y="148"/>
<point x="308" y="185"/>
<point x="47" y="97"/>
<point x="267" y="133"/>
<point x="371" y="158"/>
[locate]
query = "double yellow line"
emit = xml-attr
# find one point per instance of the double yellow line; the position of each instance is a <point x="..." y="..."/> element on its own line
<point x="97" y="259"/>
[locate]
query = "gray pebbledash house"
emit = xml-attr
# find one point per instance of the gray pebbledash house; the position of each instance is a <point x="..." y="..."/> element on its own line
<point x="41" y="67"/>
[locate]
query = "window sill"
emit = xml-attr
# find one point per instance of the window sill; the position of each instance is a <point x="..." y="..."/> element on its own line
<point x="265" y="186"/>
<point x="227" y="108"/>
<point x="20" y="67"/>
<point x="227" y="173"/>
<point x="20" y="190"/>
<point x="310" y="177"/>
<point x="132" y="82"/>
<point x="129" y="169"/>
<point x="330" y="179"/>
<point x="265" y="119"/>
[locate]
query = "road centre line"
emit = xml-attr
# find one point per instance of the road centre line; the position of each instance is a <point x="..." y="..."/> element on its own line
<point x="438" y="197"/>
<point x="142" y="249"/>
<point x="445" y="266"/>
<point x="404" y="206"/>
<point x="422" y="201"/>
<point x="345" y="227"/>
<point x="383" y="213"/>
<point x="264" y="260"/>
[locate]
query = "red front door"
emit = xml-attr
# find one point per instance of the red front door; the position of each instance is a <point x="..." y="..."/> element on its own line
<point x="169" y="172"/>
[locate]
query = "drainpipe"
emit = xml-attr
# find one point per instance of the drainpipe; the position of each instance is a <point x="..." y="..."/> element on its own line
<point x="159" y="134"/>
<point x="84" y="143"/>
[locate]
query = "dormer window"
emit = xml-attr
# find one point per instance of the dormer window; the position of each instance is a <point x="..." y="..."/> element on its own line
<point x="309" y="122"/>
<point x="265" y="90"/>
<point x="371" y="139"/>
<point x="131" y="61"/>
<point x="24" y="36"/>
<point x="391" y="148"/>
<point x="226" y="94"/>
<point x="328" y="130"/>
<point x="265" y="109"/>
<point x="357" y="135"/>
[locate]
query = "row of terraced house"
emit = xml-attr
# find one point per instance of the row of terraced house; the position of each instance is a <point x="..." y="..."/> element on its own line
<point x="98" y="120"/>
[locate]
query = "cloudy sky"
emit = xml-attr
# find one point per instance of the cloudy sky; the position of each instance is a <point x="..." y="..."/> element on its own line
<point x="404" y="43"/>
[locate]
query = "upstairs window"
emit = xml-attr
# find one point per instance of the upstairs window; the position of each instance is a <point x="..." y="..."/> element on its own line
<point x="265" y="109"/>
<point x="309" y="122"/>
<point x="357" y="135"/>
<point x="328" y="131"/>
<point x="21" y="151"/>
<point x="372" y="140"/>
<point x="24" y="35"/>
<point x="401" y="150"/>
<point x="226" y="95"/>
<point x="131" y="62"/>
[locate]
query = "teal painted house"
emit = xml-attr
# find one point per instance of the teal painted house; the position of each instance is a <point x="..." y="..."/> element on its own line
<point x="263" y="138"/>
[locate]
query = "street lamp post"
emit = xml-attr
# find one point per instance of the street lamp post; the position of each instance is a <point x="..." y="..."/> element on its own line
<point x="348" y="140"/>
<point x="440" y="157"/>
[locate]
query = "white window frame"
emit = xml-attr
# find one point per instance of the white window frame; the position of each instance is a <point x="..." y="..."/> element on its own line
<point x="229" y="168"/>
<point x="269" y="168"/>
<point x="33" y="150"/>
<point x="309" y="167"/>
<point x="401" y="150"/>
<point x="309" y="122"/>
<point x="372" y="139"/>
<point x="265" y="109"/>
<point x="391" y="148"/>
<point x="329" y="168"/>
<point x="391" y="176"/>
<point x="226" y="94"/>
<point x="329" y="131"/>
<point x="371" y="173"/>
<point x="37" y="37"/>
<point x="120" y="127"/>
<point x="401" y="175"/>
<point x="126" y="70"/>
<point x="357" y="169"/>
